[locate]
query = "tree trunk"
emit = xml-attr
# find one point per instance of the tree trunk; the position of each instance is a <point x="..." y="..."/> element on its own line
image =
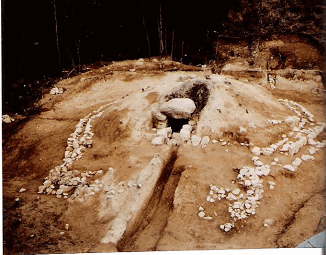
<point x="148" y="44"/>
<point x="166" y="41"/>
<point x="172" y="44"/>
<point x="56" y="31"/>
<point x="78" y="54"/>
<point x="160" y="31"/>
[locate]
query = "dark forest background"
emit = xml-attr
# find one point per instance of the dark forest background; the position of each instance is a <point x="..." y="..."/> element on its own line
<point x="43" y="38"/>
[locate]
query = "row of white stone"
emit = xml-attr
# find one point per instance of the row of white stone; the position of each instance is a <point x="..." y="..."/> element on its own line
<point x="61" y="181"/>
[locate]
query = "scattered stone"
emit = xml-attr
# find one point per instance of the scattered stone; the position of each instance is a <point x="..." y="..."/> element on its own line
<point x="187" y="127"/>
<point x="165" y="132"/>
<point x="268" y="222"/>
<point x="230" y="196"/>
<point x="178" y="108"/>
<point x="289" y="167"/>
<point x="204" y="141"/>
<point x="214" y="141"/>
<point x="158" y="140"/>
<point x="256" y="151"/>
<point x="268" y="151"/>
<point x="67" y="226"/>
<point x="17" y="199"/>
<point x="185" y="134"/>
<point x="201" y="208"/>
<point x="223" y="143"/>
<point x="312" y="151"/>
<point x="307" y="157"/>
<point x="242" y="130"/>
<point x="195" y="139"/>
<point x="296" y="162"/>
<point x="22" y="190"/>
<point x="207" y="218"/>
<point x="292" y="120"/>
<point x="236" y="191"/>
<point x="201" y="214"/>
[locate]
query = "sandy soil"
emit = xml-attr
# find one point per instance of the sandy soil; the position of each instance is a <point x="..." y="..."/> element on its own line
<point x="169" y="218"/>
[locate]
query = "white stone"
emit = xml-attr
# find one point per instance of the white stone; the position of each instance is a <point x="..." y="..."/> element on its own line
<point x="285" y="147"/>
<point x="201" y="208"/>
<point x="204" y="141"/>
<point x="307" y="157"/>
<point x="290" y="134"/>
<point x="276" y="159"/>
<point x="312" y="151"/>
<point x="273" y="163"/>
<point x="296" y="162"/>
<point x="231" y="197"/>
<point x="208" y="218"/>
<point x="201" y="214"/>
<point x="22" y="190"/>
<point x="256" y="151"/>
<point x="292" y="119"/>
<point x="214" y="141"/>
<point x="268" y="151"/>
<point x="289" y="167"/>
<point x="178" y="108"/>
<point x="195" y="139"/>
<point x="185" y="134"/>
<point x="164" y="132"/>
<point x="41" y="189"/>
<point x="236" y="191"/>
<point x="258" y="163"/>
<point x="159" y="116"/>
<point x="158" y="140"/>
<point x="223" y="143"/>
<point x="242" y="130"/>
<point x="247" y="182"/>
<point x="75" y="144"/>
<point x="187" y="127"/>
<point x="254" y="158"/>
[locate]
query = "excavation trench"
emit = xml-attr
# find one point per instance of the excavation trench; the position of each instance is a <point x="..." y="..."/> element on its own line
<point x="150" y="226"/>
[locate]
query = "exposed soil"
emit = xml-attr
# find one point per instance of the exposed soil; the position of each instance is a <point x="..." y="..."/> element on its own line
<point x="169" y="221"/>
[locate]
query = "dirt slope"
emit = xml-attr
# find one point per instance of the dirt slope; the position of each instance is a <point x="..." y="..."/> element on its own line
<point x="150" y="197"/>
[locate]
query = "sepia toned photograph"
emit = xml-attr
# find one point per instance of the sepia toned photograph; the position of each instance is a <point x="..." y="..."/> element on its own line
<point x="147" y="126"/>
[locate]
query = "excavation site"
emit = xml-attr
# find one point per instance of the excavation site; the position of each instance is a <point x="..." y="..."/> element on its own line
<point x="153" y="161"/>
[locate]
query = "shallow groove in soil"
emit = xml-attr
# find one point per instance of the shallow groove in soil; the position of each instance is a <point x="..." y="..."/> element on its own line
<point x="291" y="221"/>
<point x="150" y="227"/>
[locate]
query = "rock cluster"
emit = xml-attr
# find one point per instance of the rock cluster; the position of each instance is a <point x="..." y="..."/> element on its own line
<point x="55" y="90"/>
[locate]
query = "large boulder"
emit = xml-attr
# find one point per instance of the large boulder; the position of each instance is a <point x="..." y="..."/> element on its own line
<point x="178" y="108"/>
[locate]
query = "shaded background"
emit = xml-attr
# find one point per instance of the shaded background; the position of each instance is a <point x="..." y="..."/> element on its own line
<point x="42" y="38"/>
